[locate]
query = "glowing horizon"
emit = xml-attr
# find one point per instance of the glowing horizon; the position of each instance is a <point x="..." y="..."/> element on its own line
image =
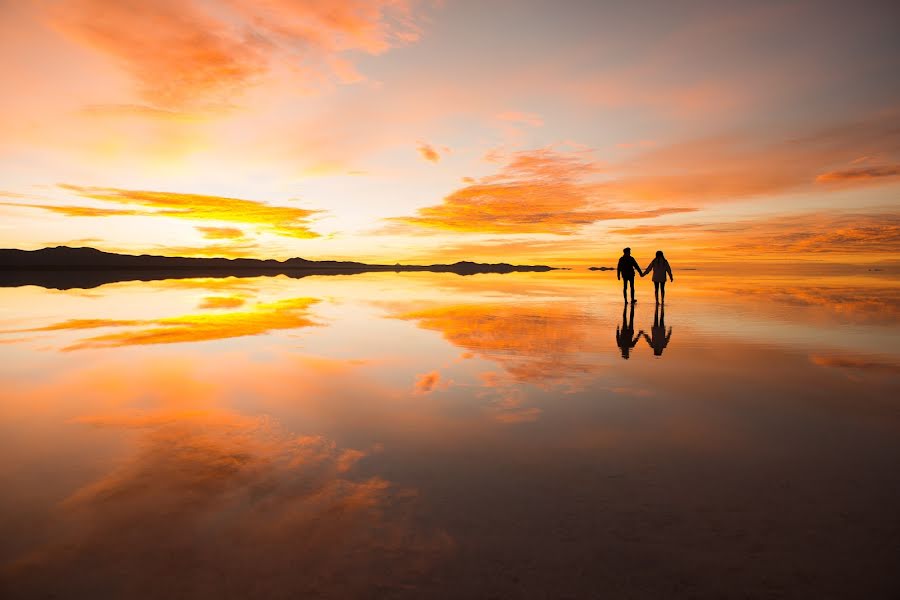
<point x="403" y="131"/>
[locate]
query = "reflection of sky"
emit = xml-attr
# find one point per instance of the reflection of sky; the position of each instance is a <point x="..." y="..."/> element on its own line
<point x="381" y="397"/>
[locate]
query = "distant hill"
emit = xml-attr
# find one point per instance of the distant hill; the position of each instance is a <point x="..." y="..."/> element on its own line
<point x="63" y="267"/>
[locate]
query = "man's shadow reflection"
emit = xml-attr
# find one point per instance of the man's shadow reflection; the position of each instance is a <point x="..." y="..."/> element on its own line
<point x="659" y="337"/>
<point x="625" y="336"/>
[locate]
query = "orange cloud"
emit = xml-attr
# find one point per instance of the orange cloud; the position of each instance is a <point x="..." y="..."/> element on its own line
<point x="426" y="382"/>
<point x="75" y="324"/>
<point x="189" y="55"/>
<point x="280" y="220"/>
<point x="428" y="152"/>
<point x="858" y="174"/>
<point x="220" y="233"/>
<point x="539" y="191"/>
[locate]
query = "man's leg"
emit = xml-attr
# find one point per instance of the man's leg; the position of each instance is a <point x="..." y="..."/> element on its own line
<point x="625" y="289"/>
<point x="632" y="291"/>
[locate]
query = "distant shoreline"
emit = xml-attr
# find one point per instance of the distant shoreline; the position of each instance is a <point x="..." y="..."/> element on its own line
<point x="63" y="267"/>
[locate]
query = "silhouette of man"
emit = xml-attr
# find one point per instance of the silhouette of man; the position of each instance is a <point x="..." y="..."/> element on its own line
<point x="660" y="338"/>
<point x="625" y="337"/>
<point x="625" y="272"/>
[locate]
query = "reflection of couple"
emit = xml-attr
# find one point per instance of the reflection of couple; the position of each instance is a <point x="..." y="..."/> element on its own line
<point x="659" y="265"/>
<point x="658" y="338"/>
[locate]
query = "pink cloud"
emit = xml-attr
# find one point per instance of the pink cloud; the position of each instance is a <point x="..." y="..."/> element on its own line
<point x="198" y="55"/>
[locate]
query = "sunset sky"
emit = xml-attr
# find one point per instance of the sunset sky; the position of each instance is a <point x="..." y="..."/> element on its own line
<point x="395" y="130"/>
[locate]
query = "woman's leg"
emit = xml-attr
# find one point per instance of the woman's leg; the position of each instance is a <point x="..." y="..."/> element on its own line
<point x="656" y="290"/>
<point x="662" y="289"/>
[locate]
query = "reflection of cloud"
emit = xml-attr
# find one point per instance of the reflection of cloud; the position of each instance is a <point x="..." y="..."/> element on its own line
<point x="426" y="383"/>
<point x="281" y="220"/>
<point x="264" y="317"/>
<point x="854" y="303"/>
<point x="509" y="409"/>
<point x="222" y="302"/>
<point x="199" y="55"/>
<point x="854" y="362"/>
<point x="209" y="492"/>
<point x="539" y="191"/>
<point x="533" y="343"/>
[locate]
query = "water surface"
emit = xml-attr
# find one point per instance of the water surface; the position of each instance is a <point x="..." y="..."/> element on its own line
<point x="431" y="435"/>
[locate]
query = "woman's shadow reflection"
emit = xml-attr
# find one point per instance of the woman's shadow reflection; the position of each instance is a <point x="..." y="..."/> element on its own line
<point x="626" y="339"/>
<point x="659" y="337"/>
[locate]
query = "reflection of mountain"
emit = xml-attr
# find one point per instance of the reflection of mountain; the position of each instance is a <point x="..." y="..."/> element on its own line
<point x="264" y="317"/>
<point x="533" y="343"/>
<point x="64" y="267"/>
<point x="213" y="504"/>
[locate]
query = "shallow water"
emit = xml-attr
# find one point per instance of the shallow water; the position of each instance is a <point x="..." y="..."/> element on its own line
<point x="432" y="435"/>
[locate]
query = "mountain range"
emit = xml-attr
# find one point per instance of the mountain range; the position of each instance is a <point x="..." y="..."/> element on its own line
<point x="64" y="267"/>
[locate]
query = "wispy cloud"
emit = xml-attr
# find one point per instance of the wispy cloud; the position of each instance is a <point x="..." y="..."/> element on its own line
<point x="859" y="174"/>
<point x="736" y="167"/>
<point x="190" y="55"/>
<point x="815" y="233"/>
<point x="80" y="211"/>
<point x="538" y="191"/>
<point x="280" y="220"/>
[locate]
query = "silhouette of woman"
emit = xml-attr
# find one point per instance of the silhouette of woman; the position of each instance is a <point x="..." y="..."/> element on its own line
<point x="660" y="338"/>
<point x="660" y="268"/>
<point x="625" y="337"/>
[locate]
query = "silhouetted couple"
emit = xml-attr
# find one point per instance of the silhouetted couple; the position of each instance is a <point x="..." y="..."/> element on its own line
<point x="659" y="265"/>
<point x="658" y="339"/>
